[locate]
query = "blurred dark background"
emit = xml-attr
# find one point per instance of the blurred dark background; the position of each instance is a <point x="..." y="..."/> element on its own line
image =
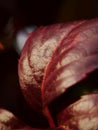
<point x="46" y="12"/>
<point x="24" y="13"/>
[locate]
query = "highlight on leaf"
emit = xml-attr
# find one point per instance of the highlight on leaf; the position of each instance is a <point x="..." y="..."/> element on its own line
<point x="53" y="60"/>
<point x="81" y="115"/>
<point x="9" y="121"/>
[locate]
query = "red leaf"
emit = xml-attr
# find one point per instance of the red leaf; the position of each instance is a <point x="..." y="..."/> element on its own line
<point x="54" y="58"/>
<point x="35" y="56"/>
<point x="9" y="121"/>
<point x="74" y="58"/>
<point x="81" y="115"/>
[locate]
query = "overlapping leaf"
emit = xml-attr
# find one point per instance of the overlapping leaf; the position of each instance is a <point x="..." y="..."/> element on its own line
<point x="9" y="122"/>
<point x="81" y="115"/>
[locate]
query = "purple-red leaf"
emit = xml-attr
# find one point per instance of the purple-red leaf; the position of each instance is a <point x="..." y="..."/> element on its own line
<point x="74" y="58"/>
<point x="81" y="115"/>
<point x="35" y="56"/>
<point x="9" y="122"/>
<point x="53" y="59"/>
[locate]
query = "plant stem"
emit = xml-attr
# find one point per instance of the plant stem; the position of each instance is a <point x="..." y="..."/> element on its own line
<point x="49" y="117"/>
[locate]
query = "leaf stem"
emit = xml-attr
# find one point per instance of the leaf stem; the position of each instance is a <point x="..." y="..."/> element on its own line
<point x="49" y="117"/>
